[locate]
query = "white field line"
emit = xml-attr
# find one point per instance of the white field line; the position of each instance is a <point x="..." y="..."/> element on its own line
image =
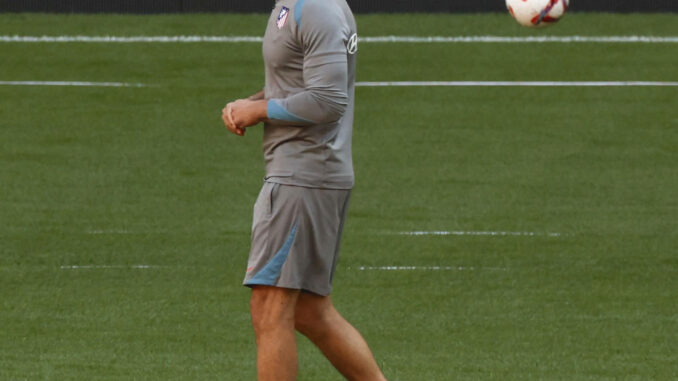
<point x="518" y="84"/>
<point x="107" y="267"/>
<point x="131" y="39"/>
<point x="374" y="39"/>
<point x="76" y="84"/>
<point x="109" y="231"/>
<point x="480" y="233"/>
<point x="123" y="231"/>
<point x="427" y="268"/>
<point x="514" y="40"/>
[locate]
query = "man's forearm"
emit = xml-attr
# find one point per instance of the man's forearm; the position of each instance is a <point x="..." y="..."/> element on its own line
<point x="258" y="110"/>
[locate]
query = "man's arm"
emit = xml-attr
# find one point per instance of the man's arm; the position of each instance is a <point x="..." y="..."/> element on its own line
<point x="324" y="99"/>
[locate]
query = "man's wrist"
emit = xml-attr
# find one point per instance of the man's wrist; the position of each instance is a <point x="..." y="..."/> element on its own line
<point x="261" y="109"/>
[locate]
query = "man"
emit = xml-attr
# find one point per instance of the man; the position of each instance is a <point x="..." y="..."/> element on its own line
<point x="307" y="105"/>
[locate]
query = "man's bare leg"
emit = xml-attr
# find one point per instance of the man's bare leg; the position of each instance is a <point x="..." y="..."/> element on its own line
<point x="317" y="319"/>
<point x="272" y="312"/>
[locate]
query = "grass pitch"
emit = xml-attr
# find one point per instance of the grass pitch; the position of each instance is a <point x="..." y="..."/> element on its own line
<point x="112" y="178"/>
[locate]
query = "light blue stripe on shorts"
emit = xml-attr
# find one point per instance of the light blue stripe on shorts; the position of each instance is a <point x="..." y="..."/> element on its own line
<point x="268" y="276"/>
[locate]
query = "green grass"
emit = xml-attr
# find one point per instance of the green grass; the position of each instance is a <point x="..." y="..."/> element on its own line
<point x="128" y="176"/>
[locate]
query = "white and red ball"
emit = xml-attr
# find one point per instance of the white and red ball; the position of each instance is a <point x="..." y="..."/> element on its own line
<point x="537" y="13"/>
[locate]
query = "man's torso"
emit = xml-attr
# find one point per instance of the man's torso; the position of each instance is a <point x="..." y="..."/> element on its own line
<point x="316" y="156"/>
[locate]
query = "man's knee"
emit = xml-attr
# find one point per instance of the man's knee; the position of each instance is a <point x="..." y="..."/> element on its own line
<point x="313" y="314"/>
<point x="272" y="308"/>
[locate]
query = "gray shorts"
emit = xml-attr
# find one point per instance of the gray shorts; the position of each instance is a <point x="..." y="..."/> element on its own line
<point x="295" y="237"/>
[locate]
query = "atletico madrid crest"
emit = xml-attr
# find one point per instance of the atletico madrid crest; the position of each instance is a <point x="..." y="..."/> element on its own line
<point x="282" y="17"/>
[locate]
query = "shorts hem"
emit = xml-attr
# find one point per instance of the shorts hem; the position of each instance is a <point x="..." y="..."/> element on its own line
<point x="309" y="290"/>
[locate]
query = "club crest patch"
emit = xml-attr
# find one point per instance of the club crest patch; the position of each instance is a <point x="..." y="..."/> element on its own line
<point x="282" y="17"/>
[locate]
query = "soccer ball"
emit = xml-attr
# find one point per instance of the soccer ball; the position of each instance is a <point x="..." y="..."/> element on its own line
<point x="537" y="13"/>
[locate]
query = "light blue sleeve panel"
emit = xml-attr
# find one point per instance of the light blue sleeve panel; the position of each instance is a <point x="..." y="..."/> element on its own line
<point x="322" y="35"/>
<point x="277" y="112"/>
<point x="297" y="11"/>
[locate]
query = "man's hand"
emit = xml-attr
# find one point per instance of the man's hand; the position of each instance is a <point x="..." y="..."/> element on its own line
<point x="244" y="113"/>
<point x="227" y="117"/>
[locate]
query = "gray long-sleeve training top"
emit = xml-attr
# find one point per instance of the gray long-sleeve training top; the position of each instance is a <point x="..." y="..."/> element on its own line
<point x="309" y="52"/>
